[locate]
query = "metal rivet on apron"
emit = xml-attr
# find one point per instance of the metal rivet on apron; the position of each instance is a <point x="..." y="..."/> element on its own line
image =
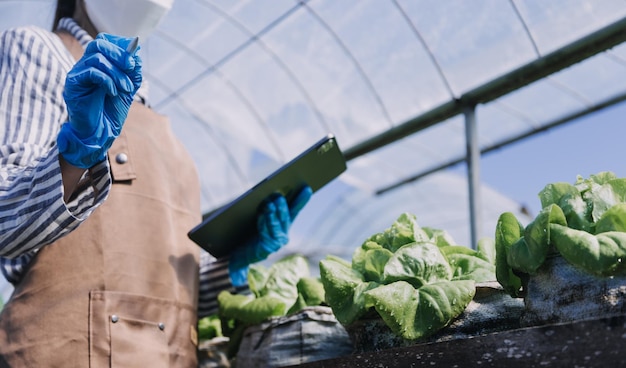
<point x="114" y="318"/>
<point x="161" y="326"/>
<point x="121" y="158"/>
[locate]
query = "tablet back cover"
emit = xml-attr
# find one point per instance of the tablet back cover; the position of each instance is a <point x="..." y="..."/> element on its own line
<point x="230" y="226"/>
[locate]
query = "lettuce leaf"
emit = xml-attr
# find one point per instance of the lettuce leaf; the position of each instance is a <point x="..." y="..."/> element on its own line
<point x="209" y="327"/>
<point x="467" y="264"/>
<point x="312" y="290"/>
<point x="343" y="286"/>
<point x="248" y="309"/>
<point x="370" y="261"/>
<point x="440" y="237"/>
<point x="418" y="264"/>
<point x="530" y="251"/>
<point x="614" y="219"/>
<point x="310" y="293"/>
<point x="414" y="313"/>
<point x="569" y="198"/>
<point x="603" y="254"/>
<point x="283" y="277"/>
<point x="508" y="231"/>
<point x="404" y="230"/>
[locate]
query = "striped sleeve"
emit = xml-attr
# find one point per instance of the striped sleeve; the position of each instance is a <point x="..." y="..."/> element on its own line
<point x="33" y="67"/>
<point x="13" y="268"/>
<point x="214" y="278"/>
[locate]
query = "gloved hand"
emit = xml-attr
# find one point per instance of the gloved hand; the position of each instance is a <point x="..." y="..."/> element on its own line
<point x="273" y="226"/>
<point x="98" y="92"/>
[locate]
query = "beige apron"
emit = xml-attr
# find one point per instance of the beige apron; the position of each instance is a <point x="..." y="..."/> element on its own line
<point x="122" y="289"/>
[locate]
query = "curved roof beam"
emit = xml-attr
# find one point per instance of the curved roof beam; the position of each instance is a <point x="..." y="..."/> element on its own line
<point x="201" y="60"/>
<point x="255" y="38"/>
<point x="230" y="55"/>
<point x="214" y="70"/>
<point x="274" y="56"/>
<point x="526" y="29"/>
<point x="354" y="60"/>
<point x="431" y="55"/>
<point x="568" y="90"/>
<point x="207" y="125"/>
<point x="579" y="50"/>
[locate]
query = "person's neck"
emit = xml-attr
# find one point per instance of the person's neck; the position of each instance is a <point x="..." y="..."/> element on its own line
<point x="71" y="43"/>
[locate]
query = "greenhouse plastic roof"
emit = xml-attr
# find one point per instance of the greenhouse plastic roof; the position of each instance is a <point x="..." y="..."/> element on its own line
<point x="249" y="84"/>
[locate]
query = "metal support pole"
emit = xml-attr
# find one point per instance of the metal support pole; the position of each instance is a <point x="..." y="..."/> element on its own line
<point x="473" y="173"/>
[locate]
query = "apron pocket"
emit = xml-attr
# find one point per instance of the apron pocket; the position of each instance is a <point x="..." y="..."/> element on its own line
<point x="131" y="330"/>
<point x="136" y="343"/>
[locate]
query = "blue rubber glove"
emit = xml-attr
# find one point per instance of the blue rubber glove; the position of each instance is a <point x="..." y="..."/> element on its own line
<point x="273" y="226"/>
<point x="98" y="93"/>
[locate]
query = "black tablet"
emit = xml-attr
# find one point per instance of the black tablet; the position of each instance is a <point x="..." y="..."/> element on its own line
<point x="231" y="225"/>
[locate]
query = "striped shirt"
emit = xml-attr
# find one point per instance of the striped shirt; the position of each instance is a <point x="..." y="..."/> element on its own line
<point x="33" y="66"/>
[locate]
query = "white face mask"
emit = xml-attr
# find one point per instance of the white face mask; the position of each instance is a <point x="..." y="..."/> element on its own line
<point x="128" y="18"/>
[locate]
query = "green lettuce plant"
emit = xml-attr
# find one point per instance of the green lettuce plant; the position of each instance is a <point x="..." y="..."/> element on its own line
<point x="417" y="280"/>
<point x="284" y="288"/>
<point x="585" y="222"/>
<point x="209" y="327"/>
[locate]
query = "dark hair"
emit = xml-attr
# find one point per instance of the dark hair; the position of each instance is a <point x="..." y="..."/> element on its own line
<point x="65" y="8"/>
